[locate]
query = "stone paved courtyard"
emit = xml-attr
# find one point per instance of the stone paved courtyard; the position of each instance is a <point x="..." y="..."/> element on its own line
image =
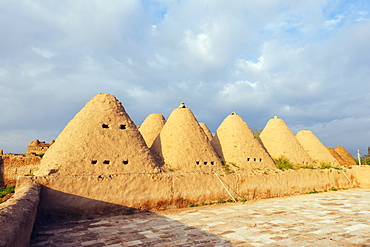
<point x="335" y="218"/>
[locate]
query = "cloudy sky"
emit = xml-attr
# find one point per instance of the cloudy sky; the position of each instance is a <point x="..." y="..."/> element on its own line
<point x="307" y="62"/>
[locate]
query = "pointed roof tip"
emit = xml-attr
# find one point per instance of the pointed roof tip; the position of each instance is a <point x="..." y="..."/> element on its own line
<point x="105" y="95"/>
<point x="182" y="105"/>
<point x="233" y="113"/>
<point x="304" y="130"/>
<point x="276" y="117"/>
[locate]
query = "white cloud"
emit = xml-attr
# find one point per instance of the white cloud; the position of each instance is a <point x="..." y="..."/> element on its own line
<point x="304" y="61"/>
<point x="352" y="133"/>
<point x="333" y="23"/>
<point x="363" y="16"/>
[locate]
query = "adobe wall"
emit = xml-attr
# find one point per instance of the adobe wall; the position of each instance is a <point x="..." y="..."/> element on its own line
<point x="1" y="172"/>
<point x="362" y="174"/>
<point x="106" y="193"/>
<point x="14" y="165"/>
<point x="17" y="215"/>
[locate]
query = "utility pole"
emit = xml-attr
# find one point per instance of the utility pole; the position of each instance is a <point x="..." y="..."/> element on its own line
<point x="359" y="156"/>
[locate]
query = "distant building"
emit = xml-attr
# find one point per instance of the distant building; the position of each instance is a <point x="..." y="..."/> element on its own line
<point x="38" y="147"/>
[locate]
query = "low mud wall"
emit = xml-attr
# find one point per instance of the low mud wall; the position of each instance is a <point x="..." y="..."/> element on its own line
<point x="17" y="215"/>
<point x="14" y="165"/>
<point x="105" y="193"/>
<point x="362" y="174"/>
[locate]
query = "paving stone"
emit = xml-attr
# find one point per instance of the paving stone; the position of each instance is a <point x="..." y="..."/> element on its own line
<point x="340" y="218"/>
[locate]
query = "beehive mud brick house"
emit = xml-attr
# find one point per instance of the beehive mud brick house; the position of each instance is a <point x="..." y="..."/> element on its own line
<point x="151" y="127"/>
<point x="235" y="143"/>
<point x="279" y="141"/>
<point x="315" y="149"/>
<point x="183" y="144"/>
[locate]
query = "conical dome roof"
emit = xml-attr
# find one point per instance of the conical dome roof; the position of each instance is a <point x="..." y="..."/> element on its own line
<point x="314" y="148"/>
<point x="151" y="127"/>
<point x="183" y="145"/>
<point x="336" y="156"/>
<point x="235" y="143"/>
<point x="279" y="141"/>
<point x="100" y="139"/>
<point x="346" y="157"/>
<point x="206" y="131"/>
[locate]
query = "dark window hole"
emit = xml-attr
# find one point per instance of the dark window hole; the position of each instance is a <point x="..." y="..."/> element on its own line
<point x="197" y="162"/>
<point x="122" y="127"/>
<point x="212" y="163"/>
<point x="125" y="162"/>
<point x="205" y="162"/>
<point x="106" y="162"/>
<point x="260" y="160"/>
<point x="105" y="126"/>
<point x="248" y="159"/>
<point x="254" y="159"/>
<point x="94" y="162"/>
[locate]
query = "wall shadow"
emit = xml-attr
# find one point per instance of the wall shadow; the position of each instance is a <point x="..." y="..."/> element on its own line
<point x="100" y="223"/>
<point x="156" y="151"/>
<point x="1" y="172"/>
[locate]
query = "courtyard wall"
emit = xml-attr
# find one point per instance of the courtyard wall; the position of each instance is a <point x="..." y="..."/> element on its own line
<point x="106" y="193"/>
<point x="17" y="215"/>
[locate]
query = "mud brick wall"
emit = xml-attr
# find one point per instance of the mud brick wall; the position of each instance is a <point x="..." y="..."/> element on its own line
<point x="17" y="215"/>
<point x="14" y="165"/>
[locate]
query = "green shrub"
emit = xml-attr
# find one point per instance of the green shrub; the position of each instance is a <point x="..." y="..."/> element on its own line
<point x="256" y="132"/>
<point x="6" y="190"/>
<point x="221" y="201"/>
<point x="314" y="191"/>
<point x="233" y="164"/>
<point x="40" y="155"/>
<point x="325" y="165"/>
<point x="283" y="163"/>
<point x="227" y="168"/>
<point x="307" y="167"/>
